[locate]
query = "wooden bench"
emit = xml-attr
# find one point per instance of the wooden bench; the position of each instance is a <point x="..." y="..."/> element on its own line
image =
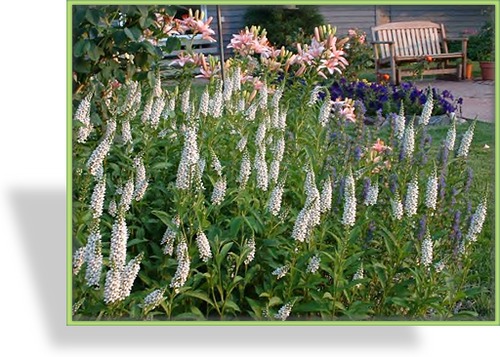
<point x="398" y="44"/>
<point x="198" y="45"/>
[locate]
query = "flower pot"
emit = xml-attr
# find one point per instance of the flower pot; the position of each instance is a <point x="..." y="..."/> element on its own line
<point x="487" y="70"/>
<point x="468" y="71"/>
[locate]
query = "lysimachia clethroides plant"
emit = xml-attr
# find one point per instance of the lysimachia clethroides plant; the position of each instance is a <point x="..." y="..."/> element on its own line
<point x="264" y="199"/>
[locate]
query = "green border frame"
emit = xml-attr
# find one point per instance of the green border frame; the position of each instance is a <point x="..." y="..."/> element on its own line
<point x="69" y="164"/>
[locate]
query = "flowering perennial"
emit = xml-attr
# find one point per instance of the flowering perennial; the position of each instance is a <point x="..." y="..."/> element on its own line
<point x="349" y="216"/>
<point x="463" y="149"/>
<point x="203" y="246"/>
<point x="477" y="221"/>
<point x="411" y="202"/>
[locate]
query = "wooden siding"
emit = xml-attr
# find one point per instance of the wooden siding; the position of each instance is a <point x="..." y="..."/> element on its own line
<point x="232" y="16"/>
<point x="349" y="17"/>
<point x="458" y="19"/>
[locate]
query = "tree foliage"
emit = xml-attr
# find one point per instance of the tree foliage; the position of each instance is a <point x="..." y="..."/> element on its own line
<point x="116" y="42"/>
<point x="284" y="26"/>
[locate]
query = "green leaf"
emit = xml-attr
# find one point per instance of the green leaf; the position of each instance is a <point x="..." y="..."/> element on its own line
<point x="172" y="44"/>
<point x="199" y="295"/>
<point x="81" y="66"/>
<point x="93" y="16"/>
<point x="152" y="50"/>
<point x="472" y="292"/>
<point x="145" y="278"/>
<point x="358" y="310"/>
<point x="187" y="316"/>
<point x="225" y="249"/>
<point x="142" y="21"/>
<point x="274" y="301"/>
<point x="381" y="272"/>
<point x="79" y="13"/>
<point x="312" y="306"/>
<point x="198" y="313"/>
<point x="254" y="305"/>
<point x="94" y="52"/>
<point x="466" y="313"/>
<point x="231" y="305"/>
<point x="120" y="75"/>
<point x="136" y="241"/>
<point x="235" y="282"/>
<point x="152" y="79"/>
<point x="235" y="226"/>
<point x="79" y="47"/>
<point x="399" y="301"/>
<point x="133" y="33"/>
<point x="143" y="10"/>
<point x="339" y="306"/>
<point x="163" y="216"/>
<point x="328" y="296"/>
<point x="119" y="37"/>
<point x="161" y="165"/>
<point x="141" y="59"/>
<point x="389" y="241"/>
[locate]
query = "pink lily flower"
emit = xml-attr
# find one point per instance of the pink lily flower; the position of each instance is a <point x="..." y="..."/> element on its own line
<point x="204" y="29"/>
<point x="331" y="65"/>
<point x="260" y="45"/>
<point x="257" y="83"/>
<point x="205" y="73"/>
<point x="242" y="43"/>
<point x="379" y="146"/>
<point x="183" y="59"/>
<point x="316" y="49"/>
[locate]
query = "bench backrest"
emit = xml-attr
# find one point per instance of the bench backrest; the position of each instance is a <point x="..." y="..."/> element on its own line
<point x="413" y="38"/>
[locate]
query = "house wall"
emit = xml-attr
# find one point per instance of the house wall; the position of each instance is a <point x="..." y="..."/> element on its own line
<point x="348" y="17"/>
<point x="458" y="19"/>
<point x="232" y="22"/>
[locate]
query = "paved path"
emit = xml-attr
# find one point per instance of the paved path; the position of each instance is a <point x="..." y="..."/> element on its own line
<point x="478" y="96"/>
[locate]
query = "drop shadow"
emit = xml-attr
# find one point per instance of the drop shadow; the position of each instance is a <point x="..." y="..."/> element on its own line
<point x="41" y="217"/>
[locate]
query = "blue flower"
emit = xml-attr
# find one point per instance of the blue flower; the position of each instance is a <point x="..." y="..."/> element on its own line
<point x="406" y="86"/>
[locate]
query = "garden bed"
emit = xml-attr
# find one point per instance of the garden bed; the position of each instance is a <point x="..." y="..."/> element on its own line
<point x="267" y="197"/>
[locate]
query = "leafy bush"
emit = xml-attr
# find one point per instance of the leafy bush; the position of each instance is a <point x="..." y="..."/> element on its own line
<point x="110" y="42"/>
<point x="359" y="54"/>
<point x="285" y="27"/>
<point x="481" y="46"/>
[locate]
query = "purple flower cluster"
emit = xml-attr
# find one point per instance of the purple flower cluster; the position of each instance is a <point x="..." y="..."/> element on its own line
<point x="387" y="97"/>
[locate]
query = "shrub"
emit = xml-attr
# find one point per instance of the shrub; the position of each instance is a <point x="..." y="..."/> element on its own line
<point x="359" y="54"/>
<point x="481" y="46"/>
<point x="285" y="27"/>
<point x="109" y="42"/>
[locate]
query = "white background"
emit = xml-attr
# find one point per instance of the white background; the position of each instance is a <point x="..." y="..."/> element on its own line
<point x="33" y="218"/>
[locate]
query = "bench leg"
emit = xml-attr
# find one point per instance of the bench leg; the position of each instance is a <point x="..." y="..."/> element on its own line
<point x="460" y="72"/>
<point x="394" y="74"/>
<point x="396" y="77"/>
